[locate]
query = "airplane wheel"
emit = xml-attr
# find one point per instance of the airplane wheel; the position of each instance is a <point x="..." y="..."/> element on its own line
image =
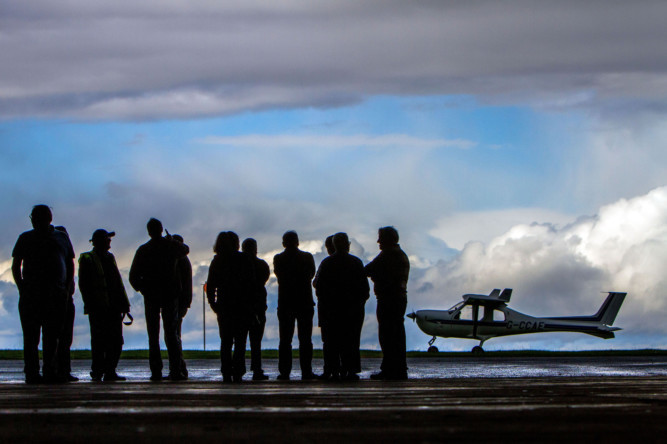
<point x="433" y="349"/>
<point x="477" y="350"/>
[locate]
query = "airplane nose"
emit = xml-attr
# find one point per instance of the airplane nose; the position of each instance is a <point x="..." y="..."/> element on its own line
<point x="412" y="315"/>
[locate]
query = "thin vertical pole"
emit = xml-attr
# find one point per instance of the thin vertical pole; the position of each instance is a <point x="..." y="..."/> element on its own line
<point x="203" y="306"/>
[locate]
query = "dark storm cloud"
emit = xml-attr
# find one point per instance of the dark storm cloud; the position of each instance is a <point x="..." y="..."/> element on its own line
<point x="171" y="59"/>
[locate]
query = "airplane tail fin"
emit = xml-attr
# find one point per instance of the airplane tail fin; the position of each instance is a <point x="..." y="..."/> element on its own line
<point x="505" y="295"/>
<point x="609" y="309"/>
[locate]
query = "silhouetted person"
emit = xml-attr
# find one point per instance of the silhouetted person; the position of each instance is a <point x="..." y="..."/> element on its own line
<point x="67" y="332"/>
<point x="331" y="361"/>
<point x="153" y="273"/>
<point x="389" y="272"/>
<point x="342" y="288"/>
<point x="230" y="289"/>
<point x="105" y="302"/>
<point x="329" y="245"/>
<point x="295" y="270"/>
<point x="184" y="271"/>
<point x="256" y="329"/>
<point x="43" y="269"/>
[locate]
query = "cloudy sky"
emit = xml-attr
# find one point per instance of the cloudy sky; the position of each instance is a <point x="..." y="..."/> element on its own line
<point x="513" y="144"/>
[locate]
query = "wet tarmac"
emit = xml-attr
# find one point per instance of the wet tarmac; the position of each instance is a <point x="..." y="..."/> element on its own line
<point x="420" y="368"/>
<point x="472" y="400"/>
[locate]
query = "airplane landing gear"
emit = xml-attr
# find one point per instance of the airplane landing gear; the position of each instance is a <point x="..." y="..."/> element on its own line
<point x="432" y="348"/>
<point x="478" y="350"/>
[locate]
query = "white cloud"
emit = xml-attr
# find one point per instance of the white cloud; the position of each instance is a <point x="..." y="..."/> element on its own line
<point x="560" y="270"/>
<point x="462" y="227"/>
<point x="555" y="269"/>
<point x="6" y="271"/>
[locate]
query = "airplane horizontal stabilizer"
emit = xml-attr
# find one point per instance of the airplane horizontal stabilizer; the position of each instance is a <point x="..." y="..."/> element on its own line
<point x="601" y="334"/>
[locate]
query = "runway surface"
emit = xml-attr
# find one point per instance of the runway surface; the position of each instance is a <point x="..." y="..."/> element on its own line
<point x="419" y="368"/>
<point x="609" y="407"/>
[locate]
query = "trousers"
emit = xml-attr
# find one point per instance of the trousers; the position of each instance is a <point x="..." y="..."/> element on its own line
<point x="167" y="308"/>
<point x="391" y="332"/>
<point x="42" y="313"/>
<point x="304" y="325"/>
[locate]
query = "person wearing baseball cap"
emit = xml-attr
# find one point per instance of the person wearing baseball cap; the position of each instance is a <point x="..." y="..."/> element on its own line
<point x="105" y="302"/>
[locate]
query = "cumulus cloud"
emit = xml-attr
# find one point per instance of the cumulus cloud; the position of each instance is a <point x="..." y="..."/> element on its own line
<point x="167" y="60"/>
<point x="561" y="270"/>
<point x="9" y="297"/>
<point x="555" y="269"/>
<point x="462" y="227"/>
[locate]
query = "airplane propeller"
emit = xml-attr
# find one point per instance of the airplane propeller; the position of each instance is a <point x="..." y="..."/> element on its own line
<point x="412" y="316"/>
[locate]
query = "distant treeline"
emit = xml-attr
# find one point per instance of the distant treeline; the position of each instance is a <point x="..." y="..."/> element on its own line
<point x="317" y="354"/>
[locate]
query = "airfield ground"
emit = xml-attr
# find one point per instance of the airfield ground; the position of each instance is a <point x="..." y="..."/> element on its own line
<point x="544" y="409"/>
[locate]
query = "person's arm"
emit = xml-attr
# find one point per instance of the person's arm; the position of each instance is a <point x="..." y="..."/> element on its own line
<point x="16" y="272"/>
<point x="70" y="276"/>
<point x="86" y="271"/>
<point x="316" y="279"/>
<point x="277" y="270"/>
<point x="125" y="302"/>
<point x="311" y="266"/>
<point x="70" y="265"/>
<point x="211" y="286"/>
<point x="320" y="277"/>
<point x="369" y="269"/>
<point x="373" y="267"/>
<point x="136" y="271"/>
<point x="264" y="274"/>
<point x="84" y="276"/>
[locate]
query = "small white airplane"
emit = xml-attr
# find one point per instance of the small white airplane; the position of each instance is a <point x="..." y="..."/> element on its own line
<point x="483" y="317"/>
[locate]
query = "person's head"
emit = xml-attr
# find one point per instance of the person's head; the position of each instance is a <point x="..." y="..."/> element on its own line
<point x="387" y="237"/>
<point x="177" y="238"/>
<point x="154" y="228"/>
<point x="341" y="243"/>
<point x="226" y="242"/>
<point x="290" y="239"/>
<point x="62" y="229"/>
<point x="249" y="246"/>
<point x="41" y="216"/>
<point x="219" y="245"/>
<point x="329" y="245"/>
<point x="233" y="241"/>
<point x="102" y="239"/>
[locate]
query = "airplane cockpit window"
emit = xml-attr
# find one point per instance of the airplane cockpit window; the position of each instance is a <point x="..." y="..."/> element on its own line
<point x="466" y="313"/>
<point x="493" y="315"/>
<point x="498" y="316"/>
<point x="456" y="307"/>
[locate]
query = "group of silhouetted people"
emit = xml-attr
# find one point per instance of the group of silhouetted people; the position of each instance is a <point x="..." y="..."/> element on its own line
<point x="43" y="269"/>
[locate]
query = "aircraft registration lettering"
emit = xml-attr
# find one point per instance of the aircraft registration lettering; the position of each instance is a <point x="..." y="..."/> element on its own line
<point x="526" y="325"/>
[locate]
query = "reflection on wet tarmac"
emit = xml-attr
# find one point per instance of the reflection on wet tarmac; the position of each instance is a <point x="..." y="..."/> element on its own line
<point x="11" y="371"/>
<point x="423" y="409"/>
